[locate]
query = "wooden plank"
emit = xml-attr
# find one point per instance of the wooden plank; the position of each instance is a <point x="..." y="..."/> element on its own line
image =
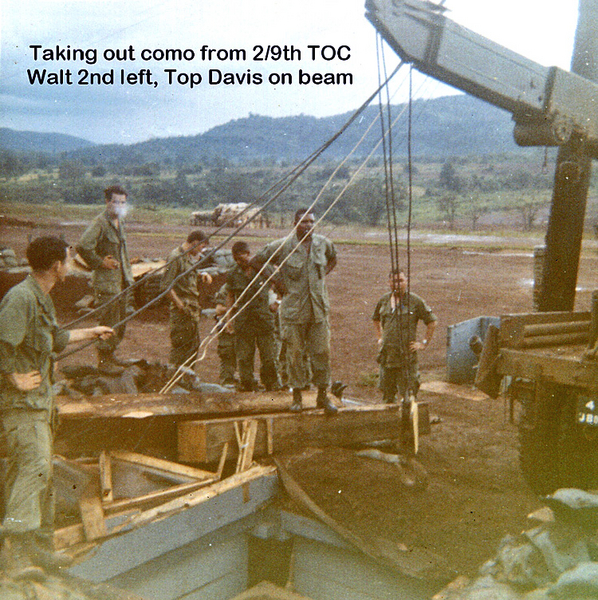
<point x="248" y="446"/>
<point x="562" y="339"/>
<point x="106" y="477"/>
<point x="200" y="441"/>
<point x="160" y="496"/>
<point x="512" y="327"/>
<point x="173" y="405"/>
<point x="198" y="497"/>
<point x="556" y="328"/>
<point x="414" y="562"/>
<point x="222" y="461"/>
<point x="92" y="513"/>
<point x="567" y="370"/>
<point x="164" y="465"/>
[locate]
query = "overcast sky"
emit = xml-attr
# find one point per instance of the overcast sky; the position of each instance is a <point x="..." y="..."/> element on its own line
<point x="125" y="113"/>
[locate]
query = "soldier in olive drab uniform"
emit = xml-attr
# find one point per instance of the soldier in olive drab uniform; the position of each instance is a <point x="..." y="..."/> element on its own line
<point x="304" y="259"/>
<point x="29" y="337"/>
<point x="254" y="324"/>
<point x="227" y="352"/>
<point x="184" y="296"/>
<point x="103" y="246"/>
<point x="395" y="320"/>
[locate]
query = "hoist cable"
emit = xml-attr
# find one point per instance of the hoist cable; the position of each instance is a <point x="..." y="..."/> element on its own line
<point x="306" y="163"/>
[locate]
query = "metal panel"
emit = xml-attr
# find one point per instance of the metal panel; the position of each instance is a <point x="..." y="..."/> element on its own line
<point x="460" y="57"/>
<point x="198" y="569"/>
<point x="326" y="573"/>
<point x="577" y="99"/>
<point x="120" y="554"/>
<point x="460" y="359"/>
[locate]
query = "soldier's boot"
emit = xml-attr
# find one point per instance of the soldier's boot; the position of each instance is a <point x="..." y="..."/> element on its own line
<point x="20" y="561"/>
<point x="323" y="401"/>
<point x="296" y="406"/>
<point x="43" y="554"/>
<point x="107" y="364"/>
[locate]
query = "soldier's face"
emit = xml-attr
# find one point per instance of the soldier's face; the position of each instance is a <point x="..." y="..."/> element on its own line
<point x="398" y="283"/>
<point x="242" y="258"/>
<point x="63" y="266"/>
<point x="198" y="248"/>
<point x="305" y="225"/>
<point x="117" y="205"/>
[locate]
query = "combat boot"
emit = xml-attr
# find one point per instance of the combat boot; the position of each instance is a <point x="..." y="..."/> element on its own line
<point x="296" y="406"/>
<point x="323" y="401"/>
<point x="106" y="363"/>
<point x="20" y="562"/>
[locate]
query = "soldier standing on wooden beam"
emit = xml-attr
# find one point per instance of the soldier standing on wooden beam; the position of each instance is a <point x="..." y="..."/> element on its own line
<point x="304" y="259"/>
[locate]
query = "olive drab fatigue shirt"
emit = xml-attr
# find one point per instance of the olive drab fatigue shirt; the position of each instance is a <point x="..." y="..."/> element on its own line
<point x="99" y="240"/>
<point x="399" y="326"/>
<point x="304" y="275"/>
<point x="257" y="313"/>
<point x="186" y="286"/>
<point x="29" y="338"/>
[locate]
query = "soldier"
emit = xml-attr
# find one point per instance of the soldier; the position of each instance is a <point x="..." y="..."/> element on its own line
<point x="226" y="341"/>
<point x="305" y="259"/>
<point x="184" y="296"/>
<point x="395" y="321"/>
<point x="103" y="246"/>
<point x="254" y="323"/>
<point x="29" y="335"/>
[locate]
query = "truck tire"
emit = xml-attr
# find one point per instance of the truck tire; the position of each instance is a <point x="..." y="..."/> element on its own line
<point x="555" y="452"/>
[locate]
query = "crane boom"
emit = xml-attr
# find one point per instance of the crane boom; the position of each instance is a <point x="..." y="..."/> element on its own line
<point x="549" y="105"/>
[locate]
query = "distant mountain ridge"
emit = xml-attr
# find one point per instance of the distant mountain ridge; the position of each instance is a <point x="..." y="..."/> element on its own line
<point x="447" y="126"/>
<point x="33" y="141"/>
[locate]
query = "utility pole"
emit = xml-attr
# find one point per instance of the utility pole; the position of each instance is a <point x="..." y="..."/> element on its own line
<point x="571" y="183"/>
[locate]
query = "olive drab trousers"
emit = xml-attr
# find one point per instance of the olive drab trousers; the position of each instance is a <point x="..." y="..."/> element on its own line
<point x="29" y="494"/>
<point x="313" y="339"/>
<point x="184" y="333"/>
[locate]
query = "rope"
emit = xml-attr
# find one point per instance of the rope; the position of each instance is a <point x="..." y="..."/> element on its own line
<point x="291" y="178"/>
<point x="230" y="314"/>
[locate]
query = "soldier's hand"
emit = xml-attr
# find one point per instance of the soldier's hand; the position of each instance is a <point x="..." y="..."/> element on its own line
<point x="25" y="382"/>
<point x="110" y="262"/>
<point x="103" y="332"/>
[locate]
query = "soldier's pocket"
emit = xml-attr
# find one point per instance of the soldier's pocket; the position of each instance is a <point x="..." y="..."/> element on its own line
<point x="293" y="267"/>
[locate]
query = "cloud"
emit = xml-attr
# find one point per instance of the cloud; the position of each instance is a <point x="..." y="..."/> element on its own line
<point x="136" y="110"/>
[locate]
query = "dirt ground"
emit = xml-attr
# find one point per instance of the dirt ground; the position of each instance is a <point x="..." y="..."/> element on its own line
<point x="476" y="494"/>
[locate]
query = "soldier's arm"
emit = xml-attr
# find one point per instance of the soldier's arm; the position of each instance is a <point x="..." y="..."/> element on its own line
<point x="86" y="246"/>
<point x="377" y="322"/>
<point x="14" y="324"/>
<point x="331" y="257"/>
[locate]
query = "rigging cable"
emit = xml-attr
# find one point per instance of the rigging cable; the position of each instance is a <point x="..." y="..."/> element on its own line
<point x="304" y="165"/>
<point x="229" y="314"/>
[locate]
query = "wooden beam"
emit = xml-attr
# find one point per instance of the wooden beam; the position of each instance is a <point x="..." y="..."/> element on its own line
<point x="163" y="465"/>
<point x="164" y="495"/>
<point x="134" y="406"/>
<point x="92" y="513"/>
<point x="515" y="327"/>
<point x="563" y="369"/>
<point x="415" y="562"/>
<point x="197" y="497"/>
<point x="106" y="477"/>
<point x="247" y="445"/>
<point x="201" y="441"/>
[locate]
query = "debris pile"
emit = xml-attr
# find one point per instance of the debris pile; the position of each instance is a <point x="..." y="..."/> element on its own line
<point x="133" y="377"/>
<point x="556" y="561"/>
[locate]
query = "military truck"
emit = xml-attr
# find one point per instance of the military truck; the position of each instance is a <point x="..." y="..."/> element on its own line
<point x="542" y="362"/>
